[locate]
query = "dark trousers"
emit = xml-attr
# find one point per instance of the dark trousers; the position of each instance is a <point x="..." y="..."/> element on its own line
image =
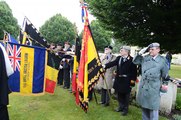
<point x="66" y="77"/>
<point x="105" y="96"/>
<point x="90" y="94"/>
<point x="4" y="113"/>
<point x="123" y="99"/>
<point x="60" y="77"/>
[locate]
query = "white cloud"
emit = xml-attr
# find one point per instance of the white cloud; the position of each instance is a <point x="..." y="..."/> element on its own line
<point x="38" y="11"/>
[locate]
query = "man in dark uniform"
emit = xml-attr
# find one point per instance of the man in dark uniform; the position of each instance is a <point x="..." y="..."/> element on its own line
<point x="125" y="78"/>
<point x="66" y="66"/>
<point x="60" y="54"/>
<point x="5" y="72"/>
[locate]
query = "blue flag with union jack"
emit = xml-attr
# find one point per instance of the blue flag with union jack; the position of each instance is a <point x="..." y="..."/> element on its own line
<point x="28" y="64"/>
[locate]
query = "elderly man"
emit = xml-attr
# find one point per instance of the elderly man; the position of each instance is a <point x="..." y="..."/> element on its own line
<point x="153" y="67"/>
<point x="125" y="78"/>
<point x="109" y="75"/>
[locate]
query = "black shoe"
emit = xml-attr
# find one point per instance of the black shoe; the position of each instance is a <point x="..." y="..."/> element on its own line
<point x="118" y="109"/>
<point x="65" y="87"/>
<point x="106" y="104"/>
<point x="124" y="113"/>
<point x="101" y="103"/>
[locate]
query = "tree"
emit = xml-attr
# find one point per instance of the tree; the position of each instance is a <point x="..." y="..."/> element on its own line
<point x="101" y="36"/>
<point x="7" y="21"/>
<point x="58" y="29"/>
<point x="141" y="22"/>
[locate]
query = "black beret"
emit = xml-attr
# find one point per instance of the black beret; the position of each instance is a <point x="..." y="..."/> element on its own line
<point x="110" y="47"/>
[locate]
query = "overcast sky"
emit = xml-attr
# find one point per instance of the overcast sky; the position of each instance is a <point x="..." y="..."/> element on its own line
<point x="38" y="11"/>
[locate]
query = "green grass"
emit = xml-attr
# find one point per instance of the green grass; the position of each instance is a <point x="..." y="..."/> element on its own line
<point x="175" y="71"/>
<point x="61" y="106"/>
<point x="178" y="101"/>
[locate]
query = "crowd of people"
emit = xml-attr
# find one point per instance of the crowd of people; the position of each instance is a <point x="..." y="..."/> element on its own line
<point x="64" y="64"/>
<point x="124" y="69"/>
<point x="120" y="73"/>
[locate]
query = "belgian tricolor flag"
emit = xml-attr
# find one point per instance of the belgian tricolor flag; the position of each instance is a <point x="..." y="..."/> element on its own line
<point x="51" y="72"/>
<point x="75" y="69"/>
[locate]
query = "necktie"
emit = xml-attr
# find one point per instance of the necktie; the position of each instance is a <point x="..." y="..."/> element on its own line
<point x="107" y="57"/>
<point x="124" y="59"/>
<point x="120" y="59"/>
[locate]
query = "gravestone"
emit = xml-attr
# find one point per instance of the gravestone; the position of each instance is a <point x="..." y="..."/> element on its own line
<point x="168" y="99"/>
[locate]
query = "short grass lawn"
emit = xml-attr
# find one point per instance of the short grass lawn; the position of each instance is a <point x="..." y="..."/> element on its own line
<point x="61" y="106"/>
<point x="175" y="71"/>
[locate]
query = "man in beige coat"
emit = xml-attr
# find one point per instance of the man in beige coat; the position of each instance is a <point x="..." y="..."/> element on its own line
<point x="109" y="76"/>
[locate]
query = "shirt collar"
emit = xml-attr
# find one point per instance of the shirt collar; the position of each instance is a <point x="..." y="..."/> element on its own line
<point x="154" y="57"/>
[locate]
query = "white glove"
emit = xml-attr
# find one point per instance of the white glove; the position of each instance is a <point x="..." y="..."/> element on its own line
<point x="142" y="51"/>
<point x="161" y="94"/>
<point x="60" y="67"/>
<point x="103" y="66"/>
<point x="63" y="59"/>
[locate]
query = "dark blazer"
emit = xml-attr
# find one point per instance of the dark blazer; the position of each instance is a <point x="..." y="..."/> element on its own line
<point x="4" y="89"/>
<point x="122" y="84"/>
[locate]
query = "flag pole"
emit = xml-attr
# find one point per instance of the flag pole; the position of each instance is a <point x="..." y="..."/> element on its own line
<point x="87" y="23"/>
<point x="95" y="96"/>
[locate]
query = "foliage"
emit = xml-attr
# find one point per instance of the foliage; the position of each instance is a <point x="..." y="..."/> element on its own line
<point x="61" y="106"/>
<point x="58" y="29"/>
<point x="141" y="22"/>
<point x="117" y="44"/>
<point x="178" y="101"/>
<point x="7" y="21"/>
<point x="175" y="73"/>
<point x="177" y="117"/>
<point x="101" y="36"/>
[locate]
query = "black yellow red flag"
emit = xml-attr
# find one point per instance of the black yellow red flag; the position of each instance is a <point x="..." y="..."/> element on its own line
<point x="90" y="67"/>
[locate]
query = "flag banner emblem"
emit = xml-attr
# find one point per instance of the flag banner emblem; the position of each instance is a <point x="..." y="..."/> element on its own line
<point x="90" y="67"/>
<point x="51" y="79"/>
<point x="28" y="64"/>
<point x="30" y="30"/>
<point x="51" y="72"/>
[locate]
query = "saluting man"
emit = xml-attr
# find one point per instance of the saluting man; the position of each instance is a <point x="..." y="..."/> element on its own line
<point x="126" y="74"/>
<point x="154" y="68"/>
